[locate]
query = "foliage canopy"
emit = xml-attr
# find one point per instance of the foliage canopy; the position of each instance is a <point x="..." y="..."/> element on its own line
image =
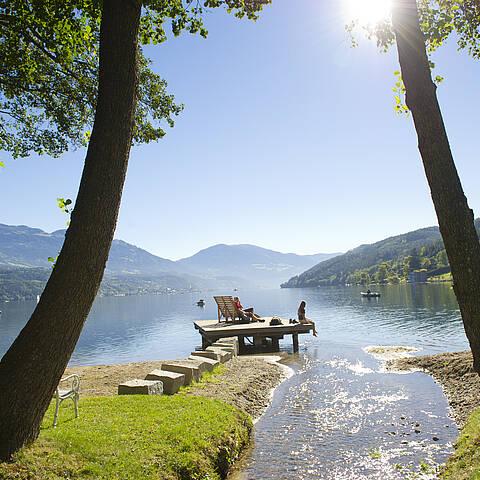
<point x="49" y="69"/>
<point x="438" y="20"/>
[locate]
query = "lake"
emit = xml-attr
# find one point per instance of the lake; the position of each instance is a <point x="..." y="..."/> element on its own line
<point x="339" y="415"/>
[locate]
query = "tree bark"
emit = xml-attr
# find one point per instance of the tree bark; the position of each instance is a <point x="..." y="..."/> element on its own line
<point x="34" y="364"/>
<point x="455" y="218"/>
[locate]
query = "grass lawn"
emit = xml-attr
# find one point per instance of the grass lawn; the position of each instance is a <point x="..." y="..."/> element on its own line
<point x="135" y="437"/>
<point x="464" y="464"/>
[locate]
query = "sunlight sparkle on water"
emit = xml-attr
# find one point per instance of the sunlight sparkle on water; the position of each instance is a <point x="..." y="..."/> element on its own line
<point x="367" y="12"/>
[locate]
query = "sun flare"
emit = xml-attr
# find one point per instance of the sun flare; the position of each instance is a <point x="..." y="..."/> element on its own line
<point x="368" y="12"/>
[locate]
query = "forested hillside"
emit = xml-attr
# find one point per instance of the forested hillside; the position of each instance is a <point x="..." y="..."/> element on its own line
<point x="387" y="261"/>
<point x="27" y="283"/>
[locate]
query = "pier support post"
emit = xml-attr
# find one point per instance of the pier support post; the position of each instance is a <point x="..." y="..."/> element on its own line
<point x="275" y="344"/>
<point x="241" y="344"/>
<point x="295" y="342"/>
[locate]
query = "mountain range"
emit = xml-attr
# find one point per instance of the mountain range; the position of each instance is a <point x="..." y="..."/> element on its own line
<point x="133" y="270"/>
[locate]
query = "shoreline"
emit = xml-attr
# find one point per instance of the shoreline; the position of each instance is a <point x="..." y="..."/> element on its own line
<point x="246" y="382"/>
<point x="453" y="371"/>
<point x="201" y="431"/>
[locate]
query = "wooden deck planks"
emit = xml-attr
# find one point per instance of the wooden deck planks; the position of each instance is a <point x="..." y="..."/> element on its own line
<point x="212" y="330"/>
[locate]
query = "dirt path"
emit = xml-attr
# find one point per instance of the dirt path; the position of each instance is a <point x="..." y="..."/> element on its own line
<point x="454" y="372"/>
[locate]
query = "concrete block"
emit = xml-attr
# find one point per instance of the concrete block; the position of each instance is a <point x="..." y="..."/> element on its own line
<point x="231" y="341"/>
<point x="172" y="381"/>
<point x="229" y="347"/>
<point x="140" y="387"/>
<point x="224" y="355"/>
<point x="188" y="368"/>
<point x="205" y="364"/>
<point x="205" y="354"/>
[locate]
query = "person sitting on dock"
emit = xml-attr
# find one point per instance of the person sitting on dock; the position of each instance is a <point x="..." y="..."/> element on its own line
<point x="303" y="319"/>
<point x="247" y="313"/>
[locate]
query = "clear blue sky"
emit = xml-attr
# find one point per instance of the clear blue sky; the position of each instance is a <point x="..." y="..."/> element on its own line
<point x="288" y="141"/>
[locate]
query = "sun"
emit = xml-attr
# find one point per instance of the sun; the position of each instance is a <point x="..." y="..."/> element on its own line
<point x="367" y="12"/>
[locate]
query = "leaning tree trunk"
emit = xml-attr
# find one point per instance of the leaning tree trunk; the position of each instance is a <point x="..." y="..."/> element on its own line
<point x="455" y="218"/>
<point x="34" y="364"/>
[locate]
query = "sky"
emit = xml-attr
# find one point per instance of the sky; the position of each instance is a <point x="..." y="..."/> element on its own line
<point x="288" y="141"/>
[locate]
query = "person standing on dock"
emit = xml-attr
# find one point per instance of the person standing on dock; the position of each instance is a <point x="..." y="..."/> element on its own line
<point x="303" y="319"/>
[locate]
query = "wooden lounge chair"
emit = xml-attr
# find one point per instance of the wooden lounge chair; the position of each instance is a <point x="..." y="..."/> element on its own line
<point x="70" y="392"/>
<point x="226" y="308"/>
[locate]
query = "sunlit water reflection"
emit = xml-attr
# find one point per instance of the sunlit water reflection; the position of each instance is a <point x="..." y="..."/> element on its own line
<point x="340" y="415"/>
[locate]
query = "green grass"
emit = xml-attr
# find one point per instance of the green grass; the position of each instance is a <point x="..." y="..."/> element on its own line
<point x="446" y="277"/>
<point x="207" y="377"/>
<point x="464" y="464"/>
<point x="135" y="437"/>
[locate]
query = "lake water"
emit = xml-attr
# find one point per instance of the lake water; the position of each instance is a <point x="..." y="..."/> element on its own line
<point x="339" y="415"/>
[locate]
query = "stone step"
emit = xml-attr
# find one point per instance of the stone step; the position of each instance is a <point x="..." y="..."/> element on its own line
<point x="188" y="368"/>
<point x="225" y="355"/>
<point x="228" y="342"/>
<point x="229" y="347"/>
<point x="231" y="341"/>
<point x="205" y="354"/>
<point x="172" y="381"/>
<point x="205" y="364"/>
<point x="140" y="387"/>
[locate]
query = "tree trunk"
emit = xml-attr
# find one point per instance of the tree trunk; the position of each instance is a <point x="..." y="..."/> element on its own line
<point x="455" y="218"/>
<point x="34" y="364"/>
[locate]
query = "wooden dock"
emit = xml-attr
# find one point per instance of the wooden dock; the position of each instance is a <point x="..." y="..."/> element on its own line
<point x="260" y="332"/>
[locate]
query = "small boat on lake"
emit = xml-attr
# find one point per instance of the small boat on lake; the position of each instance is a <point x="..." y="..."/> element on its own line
<point x="201" y="303"/>
<point x="370" y="294"/>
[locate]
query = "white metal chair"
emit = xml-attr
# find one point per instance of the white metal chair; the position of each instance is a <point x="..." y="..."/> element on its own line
<point x="72" y="392"/>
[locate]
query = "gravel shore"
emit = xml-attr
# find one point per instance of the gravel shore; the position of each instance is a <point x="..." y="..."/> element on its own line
<point x="246" y="382"/>
<point x="454" y="372"/>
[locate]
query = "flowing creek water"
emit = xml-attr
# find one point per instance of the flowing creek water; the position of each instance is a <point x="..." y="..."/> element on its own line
<point x="340" y="415"/>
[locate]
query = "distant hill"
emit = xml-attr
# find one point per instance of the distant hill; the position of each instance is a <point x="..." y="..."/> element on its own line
<point x="26" y="283"/>
<point x="24" y="266"/>
<point x="22" y="246"/>
<point x="249" y="263"/>
<point x="387" y="261"/>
